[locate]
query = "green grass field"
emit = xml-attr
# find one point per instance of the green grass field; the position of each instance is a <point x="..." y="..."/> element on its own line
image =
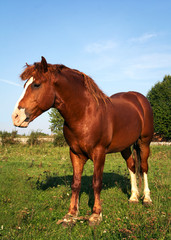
<point x="35" y="193"/>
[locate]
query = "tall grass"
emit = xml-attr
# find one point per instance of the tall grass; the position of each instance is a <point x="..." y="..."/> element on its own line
<point x="35" y="193"/>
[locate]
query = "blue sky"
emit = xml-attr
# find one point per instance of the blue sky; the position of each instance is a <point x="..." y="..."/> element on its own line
<point x="123" y="45"/>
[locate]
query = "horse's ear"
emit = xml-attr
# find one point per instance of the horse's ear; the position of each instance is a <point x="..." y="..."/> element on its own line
<point x="44" y="64"/>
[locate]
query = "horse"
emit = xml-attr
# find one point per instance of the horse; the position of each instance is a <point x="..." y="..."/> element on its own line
<point x="94" y="125"/>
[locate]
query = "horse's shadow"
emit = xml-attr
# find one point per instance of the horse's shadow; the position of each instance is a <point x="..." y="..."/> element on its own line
<point x="110" y="180"/>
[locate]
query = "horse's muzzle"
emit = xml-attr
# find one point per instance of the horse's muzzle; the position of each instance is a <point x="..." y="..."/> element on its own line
<point x="20" y="118"/>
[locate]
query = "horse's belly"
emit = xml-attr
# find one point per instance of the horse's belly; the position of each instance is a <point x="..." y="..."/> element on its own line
<point x="116" y="146"/>
<point x="125" y="137"/>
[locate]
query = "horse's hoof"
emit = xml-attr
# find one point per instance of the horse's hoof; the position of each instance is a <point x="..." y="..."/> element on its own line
<point x="95" y="219"/>
<point x="68" y="220"/>
<point x="147" y="200"/>
<point x="133" y="201"/>
<point x="134" y="197"/>
<point x="147" y="203"/>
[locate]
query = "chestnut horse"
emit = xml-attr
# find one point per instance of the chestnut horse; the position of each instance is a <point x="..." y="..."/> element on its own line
<point x="95" y="125"/>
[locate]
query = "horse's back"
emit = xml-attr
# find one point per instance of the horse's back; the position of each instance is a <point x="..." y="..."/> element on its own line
<point x="130" y="96"/>
<point x="136" y="99"/>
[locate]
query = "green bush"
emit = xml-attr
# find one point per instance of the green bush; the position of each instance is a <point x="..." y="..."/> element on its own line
<point x="59" y="140"/>
<point x="8" y="138"/>
<point x="33" y="138"/>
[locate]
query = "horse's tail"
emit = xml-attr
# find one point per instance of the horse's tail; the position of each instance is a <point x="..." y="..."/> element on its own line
<point x="137" y="159"/>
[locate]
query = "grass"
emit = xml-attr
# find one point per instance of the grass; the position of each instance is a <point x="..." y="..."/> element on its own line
<point x="35" y="193"/>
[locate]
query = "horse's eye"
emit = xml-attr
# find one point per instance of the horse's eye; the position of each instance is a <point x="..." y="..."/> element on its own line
<point x="36" y="85"/>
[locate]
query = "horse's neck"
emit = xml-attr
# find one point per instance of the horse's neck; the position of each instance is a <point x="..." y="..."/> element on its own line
<point x="72" y="101"/>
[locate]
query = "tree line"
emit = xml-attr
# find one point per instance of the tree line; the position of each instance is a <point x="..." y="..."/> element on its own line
<point x="160" y="99"/>
<point x="34" y="138"/>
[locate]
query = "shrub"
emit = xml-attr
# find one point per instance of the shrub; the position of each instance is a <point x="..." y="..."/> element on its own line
<point x="59" y="140"/>
<point x="33" y="138"/>
<point x="8" y="138"/>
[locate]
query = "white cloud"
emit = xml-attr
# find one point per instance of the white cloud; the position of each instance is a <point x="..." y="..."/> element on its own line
<point x="100" y="47"/>
<point x="144" y="38"/>
<point x="10" y="82"/>
<point x="148" y="66"/>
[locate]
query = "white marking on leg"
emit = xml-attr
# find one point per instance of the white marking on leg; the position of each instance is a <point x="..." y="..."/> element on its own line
<point x="147" y="198"/>
<point x="134" y="188"/>
<point x="77" y="213"/>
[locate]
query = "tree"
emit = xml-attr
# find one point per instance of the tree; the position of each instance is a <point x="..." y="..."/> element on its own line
<point x="56" y="127"/>
<point x="160" y="99"/>
<point x="56" y="121"/>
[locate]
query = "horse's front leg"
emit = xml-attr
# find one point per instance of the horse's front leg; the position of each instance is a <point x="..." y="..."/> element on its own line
<point x="78" y="164"/>
<point x="98" y="159"/>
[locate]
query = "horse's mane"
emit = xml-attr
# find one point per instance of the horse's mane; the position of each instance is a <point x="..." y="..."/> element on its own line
<point x="92" y="87"/>
<point x="36" y="71"/>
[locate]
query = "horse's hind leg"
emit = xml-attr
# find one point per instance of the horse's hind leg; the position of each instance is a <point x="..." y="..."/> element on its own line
<point x="144" y="154"/>
<point x="127" y="155"/>
<point x="147" y="199"/>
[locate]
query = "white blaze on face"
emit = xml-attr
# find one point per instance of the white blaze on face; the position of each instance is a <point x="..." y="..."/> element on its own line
<point x="24" y="91"/>
<point x="19" y="115"/>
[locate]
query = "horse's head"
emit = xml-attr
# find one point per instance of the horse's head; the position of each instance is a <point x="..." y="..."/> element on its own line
<point x="38" y="95"/>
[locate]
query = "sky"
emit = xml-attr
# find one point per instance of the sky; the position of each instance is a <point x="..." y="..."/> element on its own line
<point x="123" y="45"/>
